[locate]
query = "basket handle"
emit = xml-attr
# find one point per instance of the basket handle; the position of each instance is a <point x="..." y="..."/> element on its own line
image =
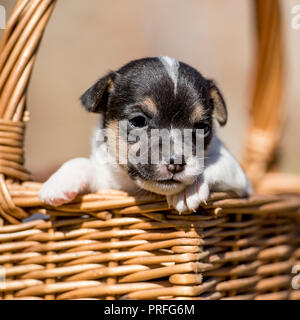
<point x="265" y="107"/>
<point x="18" y="49"/>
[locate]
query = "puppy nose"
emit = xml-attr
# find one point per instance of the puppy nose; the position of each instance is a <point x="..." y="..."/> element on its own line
<point x="175" y="168"/>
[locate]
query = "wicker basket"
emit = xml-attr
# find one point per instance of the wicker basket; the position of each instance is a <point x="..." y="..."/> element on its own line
<point x="111" y="245"/>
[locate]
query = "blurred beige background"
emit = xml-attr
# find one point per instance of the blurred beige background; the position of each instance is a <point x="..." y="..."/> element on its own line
<point x="84" y="39"/>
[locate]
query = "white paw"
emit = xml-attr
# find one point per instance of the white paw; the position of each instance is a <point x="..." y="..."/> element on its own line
<point x="190" y="198"/>
<point x="196" y="194"/>
<point x="60" y="189"/>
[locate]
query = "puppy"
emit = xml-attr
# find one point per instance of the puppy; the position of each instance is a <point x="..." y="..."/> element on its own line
<point x="146" y="96"/>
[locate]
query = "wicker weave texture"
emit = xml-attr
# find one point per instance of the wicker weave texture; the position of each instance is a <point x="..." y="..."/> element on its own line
<point x="111" y="245"/>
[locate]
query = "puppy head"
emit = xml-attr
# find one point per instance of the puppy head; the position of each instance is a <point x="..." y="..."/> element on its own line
<point x="149" y="103"/>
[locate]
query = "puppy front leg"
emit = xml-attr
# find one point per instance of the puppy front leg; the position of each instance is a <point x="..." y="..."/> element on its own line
<point x="72" y="178"/>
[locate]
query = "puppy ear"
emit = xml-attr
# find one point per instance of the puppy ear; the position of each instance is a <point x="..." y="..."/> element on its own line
<point x="96" y="97"/>
<point x="220" y="110"/>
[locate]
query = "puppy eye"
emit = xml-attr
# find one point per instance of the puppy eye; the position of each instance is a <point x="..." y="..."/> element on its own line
<point x="203" y="126"/>
<point x="138" y="122"/>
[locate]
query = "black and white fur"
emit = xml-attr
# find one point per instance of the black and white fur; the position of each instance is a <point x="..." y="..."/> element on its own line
<point x="177" y="91"/>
